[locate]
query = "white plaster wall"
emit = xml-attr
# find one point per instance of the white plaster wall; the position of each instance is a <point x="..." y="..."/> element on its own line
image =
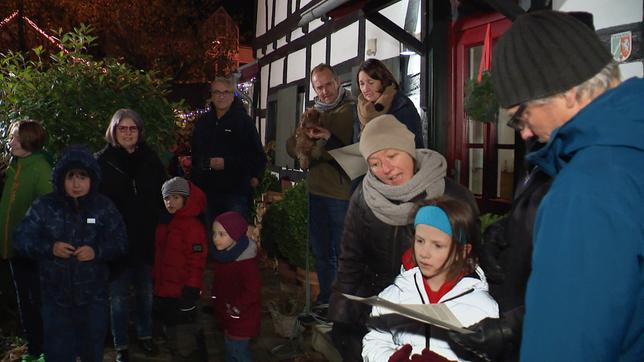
<point x="304" y="2"/>
<point x="315" y="24"/>
<point x="344" y="44"/>
<point x="396" y="12"/>
<point x="281" y="42"/>
<point x="318" y="55"/>
<point x="387" y="46"/>
<point x="264" y="87"/>
<point x="296" y="65"/>
<point x="281" y="11"/>
<point x="297" y="33"/>
<point x="277" y="72"/>
<point x="605" y="13"/>
<point x="260" y="24"/>
<point x="269" y="11"/>
<point x="262" y="130"/>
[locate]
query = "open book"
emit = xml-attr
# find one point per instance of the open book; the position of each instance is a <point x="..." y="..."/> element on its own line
<point x="434" y="314"/>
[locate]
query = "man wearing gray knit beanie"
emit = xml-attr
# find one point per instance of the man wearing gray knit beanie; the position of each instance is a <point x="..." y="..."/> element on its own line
<point x="558" y="82"/>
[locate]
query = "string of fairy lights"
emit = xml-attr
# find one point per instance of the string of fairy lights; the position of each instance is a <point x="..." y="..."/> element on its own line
<point x="184" y="118"/>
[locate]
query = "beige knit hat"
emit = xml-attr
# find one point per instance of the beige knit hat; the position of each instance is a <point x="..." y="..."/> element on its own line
<point x="385" y="132"/>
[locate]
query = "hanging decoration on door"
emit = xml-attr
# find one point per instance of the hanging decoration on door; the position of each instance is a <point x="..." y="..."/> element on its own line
<point x="480" y="104"/>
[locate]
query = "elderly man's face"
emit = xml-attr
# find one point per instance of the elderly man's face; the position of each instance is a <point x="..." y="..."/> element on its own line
<point x="222" y="96"/>
<point x="391" y="166"/>
<point x="325" y="85"/>
<point x="539" y="119"/>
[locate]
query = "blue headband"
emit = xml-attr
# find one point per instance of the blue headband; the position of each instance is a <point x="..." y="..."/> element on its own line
<point x="434" y="216"/>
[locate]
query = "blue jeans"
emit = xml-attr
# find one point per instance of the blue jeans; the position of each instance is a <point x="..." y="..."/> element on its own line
<point x="326" y="224"/>
<point x="75" y="331"/>
<point x="237" y="350"/>
<point x="140" y="277"/>
<point x="27" y="283"/>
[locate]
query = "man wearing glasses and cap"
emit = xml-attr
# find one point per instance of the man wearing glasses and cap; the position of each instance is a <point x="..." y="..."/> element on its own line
<point x="585" y="295"/>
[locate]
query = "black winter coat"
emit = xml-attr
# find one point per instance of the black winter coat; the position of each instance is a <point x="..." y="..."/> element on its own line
<point x="372" y="255"/>
<point x="515" y="258"/>
<point x="133" y="182"/>
<point x="233" y="137"/>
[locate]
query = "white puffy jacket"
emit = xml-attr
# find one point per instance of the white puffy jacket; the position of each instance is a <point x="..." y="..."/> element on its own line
<point x="389" y="331"/>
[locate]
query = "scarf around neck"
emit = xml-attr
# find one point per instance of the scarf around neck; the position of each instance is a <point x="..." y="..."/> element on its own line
<point x="230" y="255"/>
<point x="343" y="95"/>
<point x="368" y="111"/>
<point x="393" y="204"/>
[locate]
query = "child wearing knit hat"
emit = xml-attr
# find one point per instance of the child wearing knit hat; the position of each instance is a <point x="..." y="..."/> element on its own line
<point x="180" y="259"/>
<point x="237" y="284"/>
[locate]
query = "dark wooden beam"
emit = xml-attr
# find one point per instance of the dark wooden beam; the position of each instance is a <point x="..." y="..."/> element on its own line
<point x="396" y="32"/>
<point x="508" y="8"/>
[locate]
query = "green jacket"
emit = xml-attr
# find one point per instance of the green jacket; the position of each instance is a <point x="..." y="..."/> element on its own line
<point x="326" y="178"/>
<point x="25" y="179"/>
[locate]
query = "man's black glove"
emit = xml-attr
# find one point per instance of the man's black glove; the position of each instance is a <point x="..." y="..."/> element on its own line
<point x="493" y="338"/>
<point x="189" y="298"/>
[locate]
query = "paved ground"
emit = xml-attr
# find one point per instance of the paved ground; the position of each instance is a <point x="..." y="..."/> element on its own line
<point x="268" y="346"/>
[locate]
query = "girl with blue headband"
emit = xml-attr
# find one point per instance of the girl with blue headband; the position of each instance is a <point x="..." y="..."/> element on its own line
<point x="440" y="267"/>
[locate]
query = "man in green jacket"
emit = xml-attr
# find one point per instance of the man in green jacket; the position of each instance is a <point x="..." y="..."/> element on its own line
<point x="328" y="185"/>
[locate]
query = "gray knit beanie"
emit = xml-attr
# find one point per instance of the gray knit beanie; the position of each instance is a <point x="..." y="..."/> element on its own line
<point x="385" y="132"/>
<point x="175" y="186"/>
<point x="544" y="53"/>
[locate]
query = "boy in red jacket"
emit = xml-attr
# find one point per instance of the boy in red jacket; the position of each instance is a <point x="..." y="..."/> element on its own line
<point x="180" y="258"/>
<point x="237" y="285"/>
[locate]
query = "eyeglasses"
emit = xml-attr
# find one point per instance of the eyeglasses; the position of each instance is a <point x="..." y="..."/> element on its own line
<point x="218" y="93"/>
<point x="123" y="129"/>
<point x="516" y="122"/>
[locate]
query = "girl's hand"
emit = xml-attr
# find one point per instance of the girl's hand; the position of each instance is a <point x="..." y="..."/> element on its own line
<point x="63" y="250"/>
<point x="85" y="253"/>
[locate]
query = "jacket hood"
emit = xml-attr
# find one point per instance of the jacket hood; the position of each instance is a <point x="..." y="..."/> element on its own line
<point x="76" y="157"/>
<point x="595" y="124"/>
<point x="195" y="203"/>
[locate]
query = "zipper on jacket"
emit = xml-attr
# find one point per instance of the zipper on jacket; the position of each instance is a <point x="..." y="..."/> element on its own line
<point x="134" y="189"/>
<point x="394" y="249"/>
<point x="428" y="328"/>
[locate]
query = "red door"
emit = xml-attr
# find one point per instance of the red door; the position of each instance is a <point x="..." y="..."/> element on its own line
<point x="480" y="155"/>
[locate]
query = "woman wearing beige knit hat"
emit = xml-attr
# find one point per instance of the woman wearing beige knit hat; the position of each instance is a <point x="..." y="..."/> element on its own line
<point x="378" y="228"/>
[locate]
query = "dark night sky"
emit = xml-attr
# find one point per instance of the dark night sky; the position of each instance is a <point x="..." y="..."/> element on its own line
<point x="244" y="12"/>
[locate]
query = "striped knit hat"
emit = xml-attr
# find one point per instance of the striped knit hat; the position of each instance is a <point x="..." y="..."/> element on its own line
<point x="545" y="53"/>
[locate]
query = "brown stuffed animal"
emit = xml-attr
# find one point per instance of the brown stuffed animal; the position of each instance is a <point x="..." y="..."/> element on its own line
<point x="303" y="143"/>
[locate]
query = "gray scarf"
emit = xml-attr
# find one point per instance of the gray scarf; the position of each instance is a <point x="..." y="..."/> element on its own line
<point x="343" y="95"/>
<point x="393" y="205"/>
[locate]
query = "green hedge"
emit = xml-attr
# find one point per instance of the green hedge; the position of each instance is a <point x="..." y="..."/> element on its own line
<point x="75" y="95"/>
